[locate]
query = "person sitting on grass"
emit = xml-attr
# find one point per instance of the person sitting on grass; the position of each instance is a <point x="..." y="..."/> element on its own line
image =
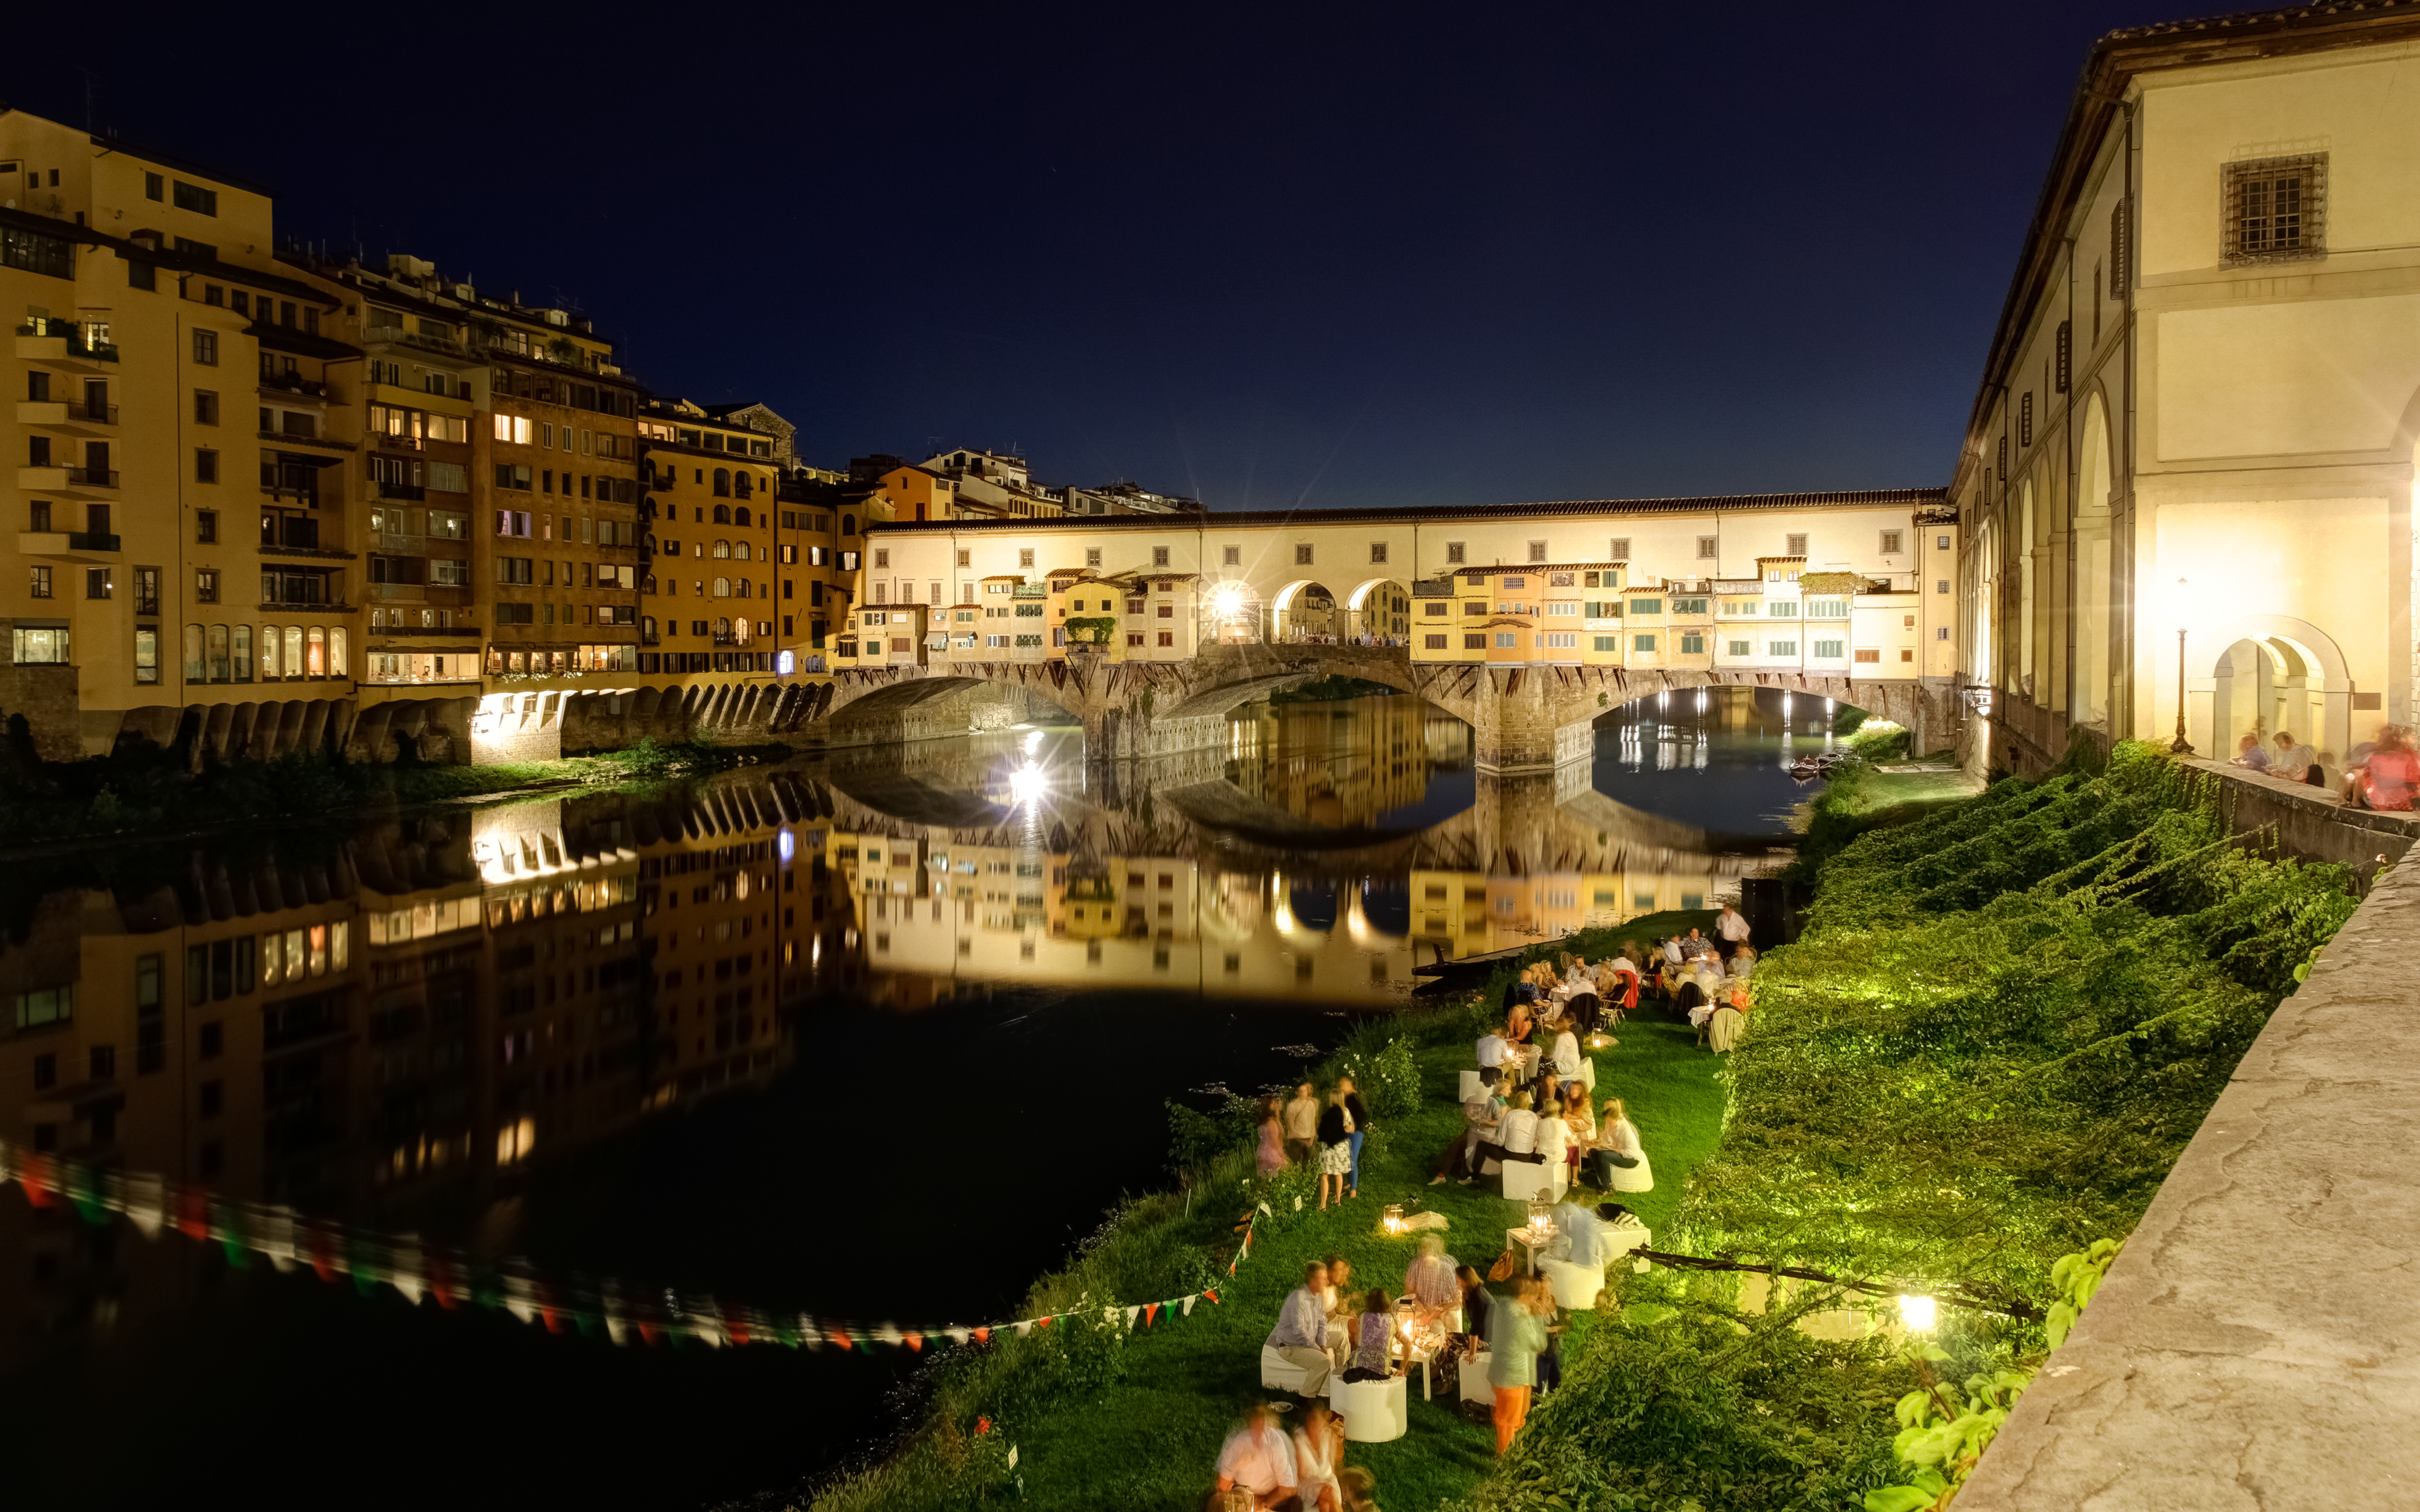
<point x="1566" y="1057"/>
<point x="1480" y="1116"/>
<point x="1257" y="1457"/>
<point x="1375" y="1339"/>
<point x="1318" y="1451"/>
<point x="1553" y="1135"/>
<point x="1339" y="1304"/>
<point x="1300" y="1338"/>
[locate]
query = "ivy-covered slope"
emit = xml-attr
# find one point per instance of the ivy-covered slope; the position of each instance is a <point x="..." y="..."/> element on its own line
<point x="2003" y="1021"/>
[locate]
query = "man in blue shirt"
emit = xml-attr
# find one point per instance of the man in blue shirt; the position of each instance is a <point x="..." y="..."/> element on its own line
<point x="1301" y="1334"/>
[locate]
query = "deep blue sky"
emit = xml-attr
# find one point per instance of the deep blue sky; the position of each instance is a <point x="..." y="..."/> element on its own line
<point x="1319" y="254"/>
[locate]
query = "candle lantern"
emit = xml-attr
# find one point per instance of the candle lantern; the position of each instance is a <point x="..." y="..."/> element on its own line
<point x="1541" y="1218"/>
<point x="1393" y="1221"/>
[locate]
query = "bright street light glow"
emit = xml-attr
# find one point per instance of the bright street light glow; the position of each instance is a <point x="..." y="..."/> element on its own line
<point x="1025" y="784"/>
<point x="1917" y="1313"/>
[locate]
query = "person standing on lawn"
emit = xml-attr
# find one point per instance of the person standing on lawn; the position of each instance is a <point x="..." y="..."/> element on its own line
<point x="1733" y="926"/>
<point x="1361" y="1117"/>
<point x="1335" y="1149"/>
<point x="1302" y="1125"/>
<point x="1516" y="1335"/>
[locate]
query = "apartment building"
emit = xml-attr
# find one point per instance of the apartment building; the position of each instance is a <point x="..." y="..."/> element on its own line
<point x="712" y="548"/>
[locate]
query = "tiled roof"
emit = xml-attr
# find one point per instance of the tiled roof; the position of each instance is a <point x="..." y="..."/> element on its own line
<point x="2258" y="19"/>
<point x="1213" y="519"/>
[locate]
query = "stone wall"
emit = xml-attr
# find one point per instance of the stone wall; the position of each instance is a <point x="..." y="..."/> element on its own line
<point x="2311" y="824"/>
<point x="2256" y="1346"/>
<point x="46" y="696"/>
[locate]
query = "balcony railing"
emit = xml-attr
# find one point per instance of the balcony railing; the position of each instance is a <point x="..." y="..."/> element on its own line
<point x="287" y="384"/>
<point x="90" y="541"/>
<point x="72" y="334"/>
<point x="401" y="491"/>
<point x="397" y="443"/>
<point x="90" y="477"/>
<point x="395" y="335"/>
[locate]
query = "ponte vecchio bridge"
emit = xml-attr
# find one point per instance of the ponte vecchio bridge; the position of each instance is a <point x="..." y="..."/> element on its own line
<point x="1526" y="621"/>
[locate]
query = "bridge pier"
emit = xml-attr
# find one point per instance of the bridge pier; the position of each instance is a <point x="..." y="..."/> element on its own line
<point x="1527" y="719"/>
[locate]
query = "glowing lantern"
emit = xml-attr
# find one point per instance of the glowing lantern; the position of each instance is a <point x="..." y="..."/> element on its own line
<point x="1394" y="1222"/>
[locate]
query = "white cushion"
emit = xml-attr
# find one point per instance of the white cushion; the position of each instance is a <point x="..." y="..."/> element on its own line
<point x="1374" y="1411"/>
<point x="1575" y="1286"/>
<point x="1524" y="1180"/>
<point x="1474" y="1380"/>
<point x="1471" y="1087"/>
<point x="1277" y="1373"/>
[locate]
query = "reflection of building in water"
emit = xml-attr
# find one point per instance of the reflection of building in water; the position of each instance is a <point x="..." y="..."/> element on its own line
<point x="398" y="1032"/>
<point x="1668" y="730"/>
<point x="1344" y="764"/>
<point x="1457" y="914"/>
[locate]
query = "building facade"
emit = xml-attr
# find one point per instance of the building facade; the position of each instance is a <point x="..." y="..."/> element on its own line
<point x="2189" y="469"/>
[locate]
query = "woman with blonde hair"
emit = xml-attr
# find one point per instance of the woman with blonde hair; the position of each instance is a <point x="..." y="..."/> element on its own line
<point x="1335" y="1148"/>
<point x="1619" y="1161"/>
<point x="1318" y="1451"/>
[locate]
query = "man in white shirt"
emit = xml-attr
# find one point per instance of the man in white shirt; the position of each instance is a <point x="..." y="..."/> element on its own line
<point x="1733" y="927"/>
<point x="1672" y="949"/>
<point x="1493" y="1047"/>
<point x="1301" y="1334"/>
<point x="1257" y="1457"/>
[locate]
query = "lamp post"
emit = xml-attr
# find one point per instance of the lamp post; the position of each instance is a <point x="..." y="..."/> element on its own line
<point x="2183" y="746"/>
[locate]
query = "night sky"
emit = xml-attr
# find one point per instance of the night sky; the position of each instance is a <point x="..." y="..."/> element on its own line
<point x="1319" y="255"/>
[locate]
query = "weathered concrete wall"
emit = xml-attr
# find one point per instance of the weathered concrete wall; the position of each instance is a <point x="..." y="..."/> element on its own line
<point x="2312" y="824"/>
<point x="46" y="696"/>
<point x="2257" y="1346"/>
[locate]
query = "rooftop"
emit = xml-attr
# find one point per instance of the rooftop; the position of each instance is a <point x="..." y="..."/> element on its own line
<point x="1647" y="508"/>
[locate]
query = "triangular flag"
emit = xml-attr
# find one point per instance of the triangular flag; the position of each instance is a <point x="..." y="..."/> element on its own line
<point x="1041" y="1322"/>
<point x="1264" y="1207"/>
<point x="1150" y="1313"/>
<point x="839" y="1336"/>
<point x="889" y="1333"/>
<point x="958" y="1335"/>
<point x="145" y="1202"/>
<point x="1189" y="1305"/>
<point x="1131" y="1314"/>
<point x="1024" y="1327"/>
<point x="983" y="1335"/>
<point x="915" y="1341"/>
<point x="1211" y="1295"/>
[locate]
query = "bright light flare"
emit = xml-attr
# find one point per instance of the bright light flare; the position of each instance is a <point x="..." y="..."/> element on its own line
<point x="1025" y="784"/>
<point x="1917" y="1313"/>
<point x="1227" y="599"/>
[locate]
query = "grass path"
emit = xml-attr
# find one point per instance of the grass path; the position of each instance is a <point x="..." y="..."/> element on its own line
<point x="1152" y="1441"/>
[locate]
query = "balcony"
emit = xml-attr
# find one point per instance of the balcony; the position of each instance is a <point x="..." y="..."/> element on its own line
<point x="283" y="605"/>
<point x="61" y="343"/>
<point x="292" y="386"/>
<point x="74" y="545"/>
<point x="417" y="340"/>
<point x="397" y="443"/>
<point x="411" y="491"/>
<point x="459" y="628"/>
<point x="286" y="438"/>
<point x="65" y="480"/>
<point x="56" y="414"/>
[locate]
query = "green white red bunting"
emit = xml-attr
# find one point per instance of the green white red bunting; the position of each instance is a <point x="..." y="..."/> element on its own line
<point x="600" y="1309"/>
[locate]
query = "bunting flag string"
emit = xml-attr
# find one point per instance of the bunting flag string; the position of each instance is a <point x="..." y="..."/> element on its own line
<point x="451" y="1278"/>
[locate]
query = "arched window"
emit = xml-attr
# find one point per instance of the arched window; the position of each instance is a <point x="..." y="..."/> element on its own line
<point x="722" y="550"/>
<point x="220" y="672"/>
<point x="722" y="513"/>
<point x="742" y="485"/>
<point x="721" y="628"/>
<point x="294" y="651"/>
<point x="243" y="652"/>
<point x="647" y="584"/>
<point x="268" y="644"/>
<point x="647" y="628"/>
<point x="739" y="549"/>
<point x="739" y="516"/>
<point x="317" y="653"/>
<point x="743" y="588"/>
<point x="722" y="485"/>
<point x="848" y="524"/>
<point x="722" y="588"/>
<point x="337" y="664"/>
<point x="194" y="671"/>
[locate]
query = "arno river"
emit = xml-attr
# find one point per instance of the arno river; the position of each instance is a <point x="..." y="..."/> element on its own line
<point x="877" y="1034"/>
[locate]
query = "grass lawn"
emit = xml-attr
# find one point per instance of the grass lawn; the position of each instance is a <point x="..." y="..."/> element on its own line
<point x="1152" y="1441"/>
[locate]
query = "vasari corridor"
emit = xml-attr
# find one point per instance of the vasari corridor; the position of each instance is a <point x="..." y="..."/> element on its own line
<point x="1559" y="760"/>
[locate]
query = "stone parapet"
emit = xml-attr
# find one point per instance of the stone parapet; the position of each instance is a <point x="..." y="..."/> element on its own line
<point x="2312" y="824"/>
<point x="2256" y="1346"/>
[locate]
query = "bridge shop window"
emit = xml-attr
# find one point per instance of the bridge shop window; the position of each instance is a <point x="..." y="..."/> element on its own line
<point x="2275" y="209"/>
<point x="1232" y="556"/>
<point x="1537" y="550"/>
<point x="1453" y="553"/>
<point x="1474" y="643"/>
<point x="1693" y="645"/>
<point x="1302" y="556"/>
<point x="1377" y="553"/>
<point x="1608" y="642"/>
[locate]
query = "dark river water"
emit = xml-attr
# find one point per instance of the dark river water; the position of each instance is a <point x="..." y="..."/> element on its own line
<point x="806" y="1037"/>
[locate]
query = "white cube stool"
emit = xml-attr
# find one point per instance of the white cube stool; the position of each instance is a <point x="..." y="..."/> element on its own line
<point x="1474" y="1380"/>
<point x="1526" y="1179"/>
<point x="1575" y="1286"/>
<point x="1471" y="1087"/>
<point x="1373" y="1411"/>
<point x="1277" y="1373"/>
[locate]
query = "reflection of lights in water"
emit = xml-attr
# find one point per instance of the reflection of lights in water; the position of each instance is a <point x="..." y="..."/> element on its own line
<point x="1032" y="742"/>
<point x="1026" y="783"/>
<point x="789" y="846"/>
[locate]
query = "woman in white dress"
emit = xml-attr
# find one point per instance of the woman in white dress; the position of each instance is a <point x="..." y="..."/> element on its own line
<point x="1318" y="1451"/>
<point x="1566" y="1059"/>
<point x="1618" y="1136"/>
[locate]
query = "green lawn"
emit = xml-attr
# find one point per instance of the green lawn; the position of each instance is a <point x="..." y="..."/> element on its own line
<point x="1152" y="1441"/>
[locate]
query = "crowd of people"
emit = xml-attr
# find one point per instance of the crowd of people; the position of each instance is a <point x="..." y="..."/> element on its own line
<point x="1326" y="1134"/>
<point x="2380" y="774"/>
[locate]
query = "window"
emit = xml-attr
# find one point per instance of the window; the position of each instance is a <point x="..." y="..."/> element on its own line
<point x="1827" y="608"/>
<point x="1377" y="553"/>
<point x="1941" y="543"/>
<point x="1167" y="638"/>
<point x="1707" y="546"/>
<point x="205" y="526"/>
<point x="154" y="187"/>
<point x="1562" y="642"/>
<point x="146" y="654"/>
<point x="1232" y="556"/>
<point x="206" y="465"/>
<point x="1302" y="556"/>
<point x="1570" y="611"/>
<point x="1474" y="643"/>
<point x="1693" y="643"/>
<point x="1738" y="648"/>
<point x="99" y="582"/>
<point x="47" y="1004"/>
<point x="1646" y="606"/>
<point x="1159" y="556"/>
<point x="1537" y="550"/>
<point x="206" y="406"/>
<point x="197" y="199"/>
<point x="206" y="348"/>
<point x="2025" y="418"/>
<point x="1507" y="640"/>
<point x="1890" y="543"/>
<point x="1827" y="648"/>
<point x="206" y="585"/>
<point x="1866" y="656"/>
<point x="1795" y="545"/>
<point x="1453" y="552"/>
<point x="140" y="275"/>
<point x="1621" y="551"/>
<point x="41" y="586"/>
<point x="1781" y="648"/>
<point x="1782" y="610"/>
<point x="1435" y="609"/>
<point x="1025" y="556"/>
<point x="2060" y="379"/>
<point x="1688" y="606"/>
<point x="1941" y="585"/>
<point x="2275" y="209"/>
<point x="1642" y="643"/>
<point x="1940" y="632"/>
<point x="1434" y="642"/>
<point x="1608" y="642"/>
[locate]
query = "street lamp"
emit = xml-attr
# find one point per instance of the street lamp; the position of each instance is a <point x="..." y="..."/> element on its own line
<point x="2183" y="746"/>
